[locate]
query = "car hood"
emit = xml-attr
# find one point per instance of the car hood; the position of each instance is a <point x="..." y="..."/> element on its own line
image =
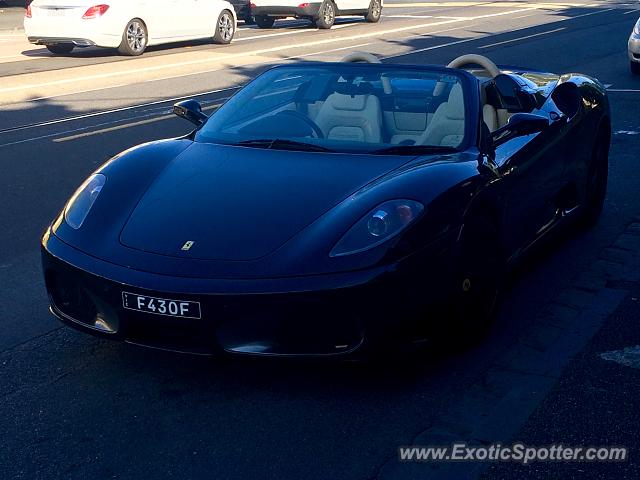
<point x="240" y="203"/>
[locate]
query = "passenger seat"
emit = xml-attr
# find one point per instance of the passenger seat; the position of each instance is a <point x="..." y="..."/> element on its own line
<point x="355" y="118"/>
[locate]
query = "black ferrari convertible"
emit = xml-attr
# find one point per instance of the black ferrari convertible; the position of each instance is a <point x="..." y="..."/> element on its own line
<point x="331" y="209"/>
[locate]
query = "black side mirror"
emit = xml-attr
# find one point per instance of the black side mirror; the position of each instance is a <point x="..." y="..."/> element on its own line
<point x="519" y="124"/>
<point x="190" y="110"/>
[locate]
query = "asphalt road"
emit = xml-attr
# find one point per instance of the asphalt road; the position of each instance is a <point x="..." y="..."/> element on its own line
<point x="76" y="407"/>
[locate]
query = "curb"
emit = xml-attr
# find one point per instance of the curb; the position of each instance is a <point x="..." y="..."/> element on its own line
<point x="508" y="392"/>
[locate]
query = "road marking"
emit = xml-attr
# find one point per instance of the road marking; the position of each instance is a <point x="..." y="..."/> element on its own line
<point x="486" y="36"/>
<point x="221" y="57"/>
<point x="350" y="47"/>
<point x="522" y="38"/>
<point x="631" y="11"/>
<point x="151" y="118"/>
<point x="624" y="90"/>
<point x="118" y="110"/>
<point x="279" y="34"/>
<point x="629" y="357"/>
<point x="499" y="4"/>
<point x="139" y="123"/>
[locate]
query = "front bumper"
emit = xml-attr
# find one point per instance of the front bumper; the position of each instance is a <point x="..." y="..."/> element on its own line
<point x="634" y="48"/>
<point x="308" y="10"/>
<point x="325" y="315"/>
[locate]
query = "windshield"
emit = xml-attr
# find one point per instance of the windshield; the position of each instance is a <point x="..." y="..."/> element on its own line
<point x="344" y="108"/>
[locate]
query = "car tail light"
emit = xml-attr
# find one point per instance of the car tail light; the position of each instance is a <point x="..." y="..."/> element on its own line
<point x="95" y="11"/>
<point x="27" y="12"/>
<point x="303" y="5"/>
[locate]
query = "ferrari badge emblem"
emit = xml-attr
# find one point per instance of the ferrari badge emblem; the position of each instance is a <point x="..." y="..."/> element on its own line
<point x="187" y="246"/>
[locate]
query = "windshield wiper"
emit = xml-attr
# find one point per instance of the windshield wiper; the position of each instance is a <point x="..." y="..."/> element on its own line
<point x="412" y="150"/>
<point x="284" y="144"/>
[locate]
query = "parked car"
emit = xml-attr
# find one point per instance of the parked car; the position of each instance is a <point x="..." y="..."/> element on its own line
<point x="323" y="14"/>
<point x="329" y="209"/>
<point x="243" y="10"/>
<point x="128" y="25"/>
<point x="634" y="49"/>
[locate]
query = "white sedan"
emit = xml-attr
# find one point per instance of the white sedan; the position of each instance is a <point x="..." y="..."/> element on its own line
<point x="128" y="25"/>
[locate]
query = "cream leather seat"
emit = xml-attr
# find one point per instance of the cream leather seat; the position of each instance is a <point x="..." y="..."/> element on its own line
<point x="490" y="117"/>
<point x="351" y="117"/>
<point x="447" y="125"/>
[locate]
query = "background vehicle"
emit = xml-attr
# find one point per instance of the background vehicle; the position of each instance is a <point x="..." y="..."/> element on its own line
<point x="331" y="208"/>
<point x="323" y="14"/>
<point x="128" y="25"/>
<point x="634" y="49"/>
<point x="243" y="10"/>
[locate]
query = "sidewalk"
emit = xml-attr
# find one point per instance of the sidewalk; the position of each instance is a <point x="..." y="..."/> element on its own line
<point x="11" y="18"/>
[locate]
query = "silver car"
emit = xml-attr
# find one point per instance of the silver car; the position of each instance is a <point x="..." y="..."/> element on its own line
<point x="634" y="49"/>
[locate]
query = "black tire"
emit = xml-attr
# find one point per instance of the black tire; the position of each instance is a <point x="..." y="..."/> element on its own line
<point x="635" y="68"/>
<point x="225" y="28"/>
<point x="134" y="38"/>
<point x="374" y="12"/>
<point x="597" y="177"/>
<point x="477" y="283"/>
<point x="263" y="21"/>
<point x="61" y="48"/>
<point x="326" y="15"/>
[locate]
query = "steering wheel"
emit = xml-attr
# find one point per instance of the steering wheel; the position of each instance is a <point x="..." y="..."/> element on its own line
<point x="310" y="123"/>
<point x="473" y="59"/>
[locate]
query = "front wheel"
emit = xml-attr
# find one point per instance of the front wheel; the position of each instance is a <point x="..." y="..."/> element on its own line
<point x="477" y="283"/>
<point x="635" y="68"/>
<point x="225" y="28"/>
<point x="374" y="12"/>
<point x="60" y="48"/>
<point x="134" y="38"/>
<point x="326" y="15"/>
<point x="264" y="22"/>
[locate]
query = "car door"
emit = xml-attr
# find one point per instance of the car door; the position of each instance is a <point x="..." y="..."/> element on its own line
<point x="531" y="169"/>
<point x="352" y="5"/>
<point x="156" y="15"/>
<point x="191" y="18"/>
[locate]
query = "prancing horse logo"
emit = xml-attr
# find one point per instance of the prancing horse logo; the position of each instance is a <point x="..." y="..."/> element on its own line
<point x="187" y="246"/>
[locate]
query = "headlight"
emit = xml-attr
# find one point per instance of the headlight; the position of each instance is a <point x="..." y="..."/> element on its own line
<point x="636" y="28"/>
<point x="378" y="226"/>
<point x="78" y="207"/>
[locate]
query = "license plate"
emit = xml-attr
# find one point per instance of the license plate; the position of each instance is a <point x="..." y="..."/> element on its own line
<point x="161" y="306"/>
<point x="56" y="12"/>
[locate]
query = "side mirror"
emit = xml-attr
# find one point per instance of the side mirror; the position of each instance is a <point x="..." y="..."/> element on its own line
<point x="190" y="110"/>
<point x="519" y="124"/>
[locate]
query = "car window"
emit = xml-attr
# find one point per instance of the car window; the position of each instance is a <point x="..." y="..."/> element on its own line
<point x="344" y="108"/>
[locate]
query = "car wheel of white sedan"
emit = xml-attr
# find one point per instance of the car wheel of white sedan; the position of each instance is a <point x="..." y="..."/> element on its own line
<point x="375" y="10"/>
<point x="326" y="15"/>
<point x="134" y="38"/>
<point x="60" y="48"/>
<point x="225" y="28"/>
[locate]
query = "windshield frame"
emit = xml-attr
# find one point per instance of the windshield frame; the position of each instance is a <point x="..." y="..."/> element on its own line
<point x="467" y="81"/>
